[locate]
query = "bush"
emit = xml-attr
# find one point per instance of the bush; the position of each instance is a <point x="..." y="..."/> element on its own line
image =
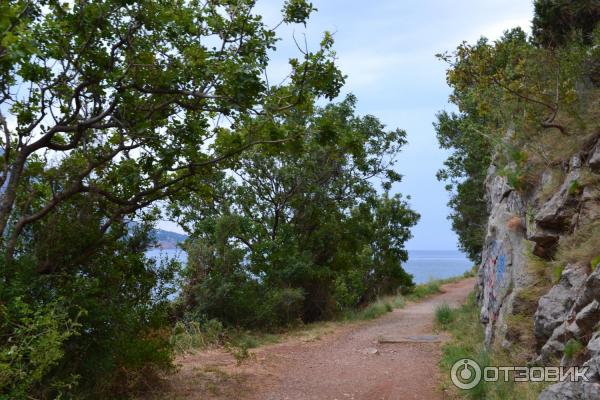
<point x="573" y="347"/>
<point x="425" y="290"/>
<point x="93" y="328"/>
<point x="443" y="315"/>
<point x="33" y="347"/>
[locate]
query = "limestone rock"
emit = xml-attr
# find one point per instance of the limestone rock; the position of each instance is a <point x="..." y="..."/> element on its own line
<point x="588" y="317"/>
<point x="593" y="345"/>
<point x="562" y="391"/>
<point x="557" y="212"/>
<point x="554" y="306"/>
<point x="594" y="160"/>
<point x="590" y="290"/>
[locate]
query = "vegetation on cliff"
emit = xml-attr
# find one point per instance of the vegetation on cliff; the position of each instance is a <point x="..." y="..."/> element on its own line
<point x="525" y="104"/>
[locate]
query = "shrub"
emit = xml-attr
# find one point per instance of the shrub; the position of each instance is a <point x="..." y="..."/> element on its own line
<point x="444" y="315"/>
<point x="424" y="290"/>
<point x="34" y="346"/>
<point x="94" y="327"/>
<point x="573" y="347"/>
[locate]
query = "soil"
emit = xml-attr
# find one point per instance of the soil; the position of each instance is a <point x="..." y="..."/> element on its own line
<point x="394" y="357"/>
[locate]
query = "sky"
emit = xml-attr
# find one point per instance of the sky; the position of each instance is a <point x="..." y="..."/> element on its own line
<point x="387" y="50"/>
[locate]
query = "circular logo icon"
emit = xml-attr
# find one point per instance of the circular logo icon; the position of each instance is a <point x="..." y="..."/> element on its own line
<point x="465" y="374"/>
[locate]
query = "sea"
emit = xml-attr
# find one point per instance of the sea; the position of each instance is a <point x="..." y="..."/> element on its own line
<point x="426" y="265"/>
<point x="423" y="265"/>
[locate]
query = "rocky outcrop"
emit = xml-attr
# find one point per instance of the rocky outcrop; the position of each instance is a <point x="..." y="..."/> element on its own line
<point x="537" y="223"/>
<point x="503" y="264"/>
<point x="554" y="306"/>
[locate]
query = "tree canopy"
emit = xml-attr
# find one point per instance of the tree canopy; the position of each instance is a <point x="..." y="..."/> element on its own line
<point x="113" y="113"/>
<point x="301" y="234"/>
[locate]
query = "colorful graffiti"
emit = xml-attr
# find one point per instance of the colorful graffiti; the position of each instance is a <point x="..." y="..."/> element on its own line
<point x="495" y="283"/>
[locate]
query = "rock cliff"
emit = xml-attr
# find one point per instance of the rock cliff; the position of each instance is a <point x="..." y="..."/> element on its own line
<point x="532" y="267"/>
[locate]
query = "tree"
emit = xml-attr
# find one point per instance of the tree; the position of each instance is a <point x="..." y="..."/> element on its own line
<point x="106" y="109"/>
<point x="556" y="22"/>
<point x="116" y="99"/>
<point x="516" y="100"/>
<point x="465" y="171"/>
<point x="305" y="227"/>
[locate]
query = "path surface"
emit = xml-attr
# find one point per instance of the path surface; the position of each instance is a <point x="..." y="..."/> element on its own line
<point x="348" y="363"/>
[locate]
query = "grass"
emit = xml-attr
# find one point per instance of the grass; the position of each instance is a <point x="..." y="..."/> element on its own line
<point x="467" y="342"/>
<point x="195" y="336"/>
<point x="372" y="311"/>
<point x="573" y="348"/>
<point x="557" y="273"/>
<point x="594" y="263"/>
<point x="444" y="315"/>
<point x="581" y="246"/>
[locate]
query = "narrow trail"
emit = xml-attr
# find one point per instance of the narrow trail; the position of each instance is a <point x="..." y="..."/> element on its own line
<point x="393" y="357"/>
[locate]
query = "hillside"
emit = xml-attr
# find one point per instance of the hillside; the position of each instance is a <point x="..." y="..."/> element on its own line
<point x="168" y="240"/>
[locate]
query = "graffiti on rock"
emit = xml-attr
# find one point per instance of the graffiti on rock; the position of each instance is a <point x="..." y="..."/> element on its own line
<point x="496" y="285"/>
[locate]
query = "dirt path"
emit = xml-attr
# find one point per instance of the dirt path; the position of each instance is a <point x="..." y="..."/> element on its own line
<point x="352" y="362"/>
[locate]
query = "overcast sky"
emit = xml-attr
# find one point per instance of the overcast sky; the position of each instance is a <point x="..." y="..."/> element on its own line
<point x="387" y="48"/>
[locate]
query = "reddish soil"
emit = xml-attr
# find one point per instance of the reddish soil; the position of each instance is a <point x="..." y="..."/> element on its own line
<point x="348" y="362"/>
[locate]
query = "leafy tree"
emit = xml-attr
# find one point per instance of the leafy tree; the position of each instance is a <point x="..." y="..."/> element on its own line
<point x="107" y="108"/>
<point x="556" y="22"/>
<point x="465" y="171"/>
<point x="301" y="234"/>
<point x="115" y="99"/>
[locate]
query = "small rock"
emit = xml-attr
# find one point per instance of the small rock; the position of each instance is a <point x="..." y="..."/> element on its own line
<point x="594" y="161"/>
<point x="591" y="290"/>
<point x="588" y="317"/>
<point x="370" y="350"/>
<point x="562" y="391"/>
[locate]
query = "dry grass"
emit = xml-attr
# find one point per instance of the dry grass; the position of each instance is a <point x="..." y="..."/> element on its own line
<point x="557" y="177"/>
<point x="581" y="247"/>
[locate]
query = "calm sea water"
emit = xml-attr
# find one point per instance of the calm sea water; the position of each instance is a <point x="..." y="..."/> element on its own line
<point x="422" y="264"/>
<point x="436" y="264"/>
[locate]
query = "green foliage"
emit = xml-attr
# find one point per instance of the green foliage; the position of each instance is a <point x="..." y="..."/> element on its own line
<point x="575" y="188"/>
<point x="557" y="273"/>
<point x="555" y="22"/>
<point x="465" y="171"/>
<point x="530" y="106"/>
<point x="297" y="11"/>
<point x="424" y="290"/>
<point x="304" y="234"/>
<point x="444" y="315"/>
<point x="91" y="327"/>
<point x="34" y="345"/>
<point x="573" y="347"/>
<point x="595" y="262"/>
<point x="114" y="107"/>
